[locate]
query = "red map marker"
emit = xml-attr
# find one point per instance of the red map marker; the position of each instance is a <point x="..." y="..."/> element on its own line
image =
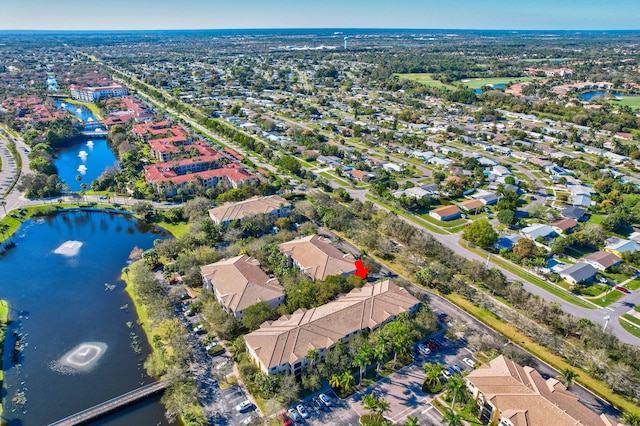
<point x="361" y="271"/>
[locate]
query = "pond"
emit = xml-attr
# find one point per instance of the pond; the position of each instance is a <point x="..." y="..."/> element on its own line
<point x="86" y="159"/>
<point x="77" y="326"/>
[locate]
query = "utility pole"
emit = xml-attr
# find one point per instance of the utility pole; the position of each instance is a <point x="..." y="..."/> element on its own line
<point x="487" y="263"/>
<point x="606" y="322"/>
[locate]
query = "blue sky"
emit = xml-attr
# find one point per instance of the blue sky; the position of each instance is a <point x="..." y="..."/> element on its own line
<point x="214" y="14"/>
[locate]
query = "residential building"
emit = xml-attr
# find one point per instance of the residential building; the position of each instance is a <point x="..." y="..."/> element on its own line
<point x="317" y="257"/>
<point x="92" y="94"/>
<point x="572" y="212"/>
<point x="446" y="213"/>
<point x="619" y="246"/>
<point x="274" y="205"/>
<point x="563" y="225"/>
<point x="239" y="282"/>
<point x="282" y="346"/>
<point x="538" y="230"/>
<point x="507" y="241"/>
<point x="602" y="260"/>
<point x="578" y="273"/>
<point x="471" y="205"/>
<point x="512" y="395"/>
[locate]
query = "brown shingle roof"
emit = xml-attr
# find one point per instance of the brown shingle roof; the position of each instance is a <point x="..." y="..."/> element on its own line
<point x="240" y="282"/>
<point x="317" y="257"/>
<point x="564" y="223"/>
<point x="446" y="211"/>
<point x="604" y="258"/>
<point x="289" y="339"/>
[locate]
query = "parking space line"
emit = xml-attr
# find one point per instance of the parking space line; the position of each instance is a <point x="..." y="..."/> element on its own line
<point x="428" y="409"/>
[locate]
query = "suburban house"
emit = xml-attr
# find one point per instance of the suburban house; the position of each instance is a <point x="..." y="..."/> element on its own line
<point x="239" y="282"/>
<point x="228" y="212"/>
<point x="317" y="257"/>
<point x="512" y="395"/>
<point x="445" y="213"/>
<point x="507" y="241"/>
<point x="282" y="346"/>
<point x="470" y="205"/>
<point x="575" y="213"/>
<point x="538" y="230"/>
<point x="578" y="273"/>
<point x="563" y="225"/>
<point x="602" y="260"/>
<point x="619" y="246"/>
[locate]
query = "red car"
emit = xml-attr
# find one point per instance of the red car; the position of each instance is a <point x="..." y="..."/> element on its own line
<point x="622" y="289"/>
<point x="286" y="421"/>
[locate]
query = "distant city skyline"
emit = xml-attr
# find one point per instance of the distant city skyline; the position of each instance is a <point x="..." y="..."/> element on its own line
<point x="418" y="14"/>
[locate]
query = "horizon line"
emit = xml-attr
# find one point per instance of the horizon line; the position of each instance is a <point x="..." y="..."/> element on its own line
<point x="324" y="28"/>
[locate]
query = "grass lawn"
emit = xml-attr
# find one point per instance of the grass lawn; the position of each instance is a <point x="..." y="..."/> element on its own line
<point x="477" y="83"/>
<point x="426" y="79"/>
<point x="632" y="101"/>
<point x="446" y="223"/>
<point x="596" y="219"/>
<point x="550" y="287"/>
<point x="578" y="252"/>
<point x="534" y="61"/>
<point x="635" y="330"/>
<point x="612" y="296"/>
<point x="11" y="132"/>
<point x="633" y="285"/>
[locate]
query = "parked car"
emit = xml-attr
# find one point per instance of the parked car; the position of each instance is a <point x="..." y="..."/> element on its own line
<point x="446" y="374"/>
<point x="303" y="411"/>
<point x="294" y="415"/>
<point x="458" y="368"/>
<point x="452" y="370"/>
<point x="243" y="406"/>
<point x="622" y="289"/>
<point x="318" y="405"/>
<point x="471" y="363"/>
<point x="423" y="349"/>
<point x="325" y="400"/>
<point x="286" y="421"/>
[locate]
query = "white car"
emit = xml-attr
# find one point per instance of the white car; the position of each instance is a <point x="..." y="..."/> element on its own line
<point x="471" y="363"/>
<point x="325" y="400"/>
<point x="423" y="349"/>
<point x="243" y="406"/>
<point x="294" y="415"/>
<point x="303" y="411"/>
<point x="446" y="374"/>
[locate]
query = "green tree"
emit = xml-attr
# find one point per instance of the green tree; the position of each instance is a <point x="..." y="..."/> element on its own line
<point x="346" y="381"/>
<point x="507" y="217"/>
<point x="256" y="314"/>
<point x="451" y="418"/>
<point x="411" y="421"/>
<point x="568" y="376"/>
<point x="480" y="233"/>
<point x="433" y="372"/>
<point x="455" y="388"/>
<point x="631" y="419"/>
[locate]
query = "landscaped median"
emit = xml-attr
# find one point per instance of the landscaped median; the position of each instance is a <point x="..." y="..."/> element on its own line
<point x="533" y="279"/>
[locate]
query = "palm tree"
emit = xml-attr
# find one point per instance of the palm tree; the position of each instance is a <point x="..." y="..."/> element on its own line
<point x="433" y="373"/>
<point x="455" y="388"/>
<point x="360" y="361"/>
<point x="411" y="421"/>
<point x="568" y="376"/>
<point x="380" y="351"/>
<point x="334" y="381"/>
<point x="632" y="419"/>
<point x="451" y="418"/>
<point x="312" y="356"/>
<point x="346" y="381"/>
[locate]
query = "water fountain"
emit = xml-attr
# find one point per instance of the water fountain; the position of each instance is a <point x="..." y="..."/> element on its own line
<point x="82" y="169"/>
<point x="90" y="144"/>
<point x="83" y="155"/>
<point x="81" y="359"/>
<point x="69" y="248"/>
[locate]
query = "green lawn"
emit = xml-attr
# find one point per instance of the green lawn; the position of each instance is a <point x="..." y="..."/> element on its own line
<point x="443" y="223"/>
<point x="90" y="106"/>
<point x="635" y="330"/>
<point x="611" y="297"/>
<point x="477" y="83"/>
<point x="534" y="61"/>
<point x="596" y="219"/>
<point x="633" y="285"/>
<point x="632" y="101"/>
<point x="413" y="218"/>
<point x="426" y="79"/>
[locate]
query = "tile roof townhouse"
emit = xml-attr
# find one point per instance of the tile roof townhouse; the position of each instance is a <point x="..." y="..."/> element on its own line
<point x="317" y="257"/>
<point x="239" y="282"/>
<point x="512" y="395"/>
<point x="282" y="346"/>
<point x="228" y="212"/>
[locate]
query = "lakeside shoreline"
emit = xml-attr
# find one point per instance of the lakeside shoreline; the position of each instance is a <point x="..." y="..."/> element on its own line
<point x="4" y="321"/>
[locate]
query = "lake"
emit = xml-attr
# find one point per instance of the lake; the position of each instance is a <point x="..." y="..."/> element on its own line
<point x="587" y="96"/>
<point x="88" y="158"/>
<point x="62" y="283"/>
